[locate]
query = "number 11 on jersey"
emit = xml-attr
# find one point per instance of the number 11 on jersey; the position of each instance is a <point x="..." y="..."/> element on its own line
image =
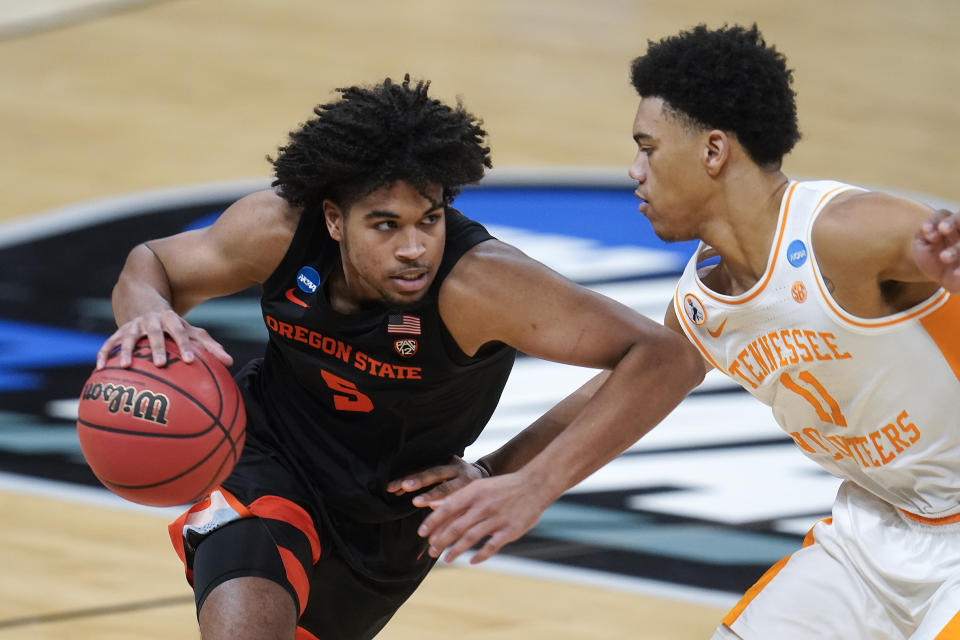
<point x="835" y="416"/>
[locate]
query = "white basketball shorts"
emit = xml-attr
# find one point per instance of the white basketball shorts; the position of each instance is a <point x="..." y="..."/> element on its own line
<point x="869" y="572"/>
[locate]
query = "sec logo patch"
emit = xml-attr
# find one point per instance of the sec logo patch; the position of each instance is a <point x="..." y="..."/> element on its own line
<point x="799" y="292"/>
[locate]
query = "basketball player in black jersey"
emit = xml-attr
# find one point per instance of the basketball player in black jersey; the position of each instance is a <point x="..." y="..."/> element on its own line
<point x="393" y="323"/>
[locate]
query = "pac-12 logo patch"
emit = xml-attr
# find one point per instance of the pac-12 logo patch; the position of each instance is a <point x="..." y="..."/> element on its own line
<point x="797" y="253"/>
<point x="694" y="309"/>
<point x="308" y="279"/>
<point x="405" y="347"/>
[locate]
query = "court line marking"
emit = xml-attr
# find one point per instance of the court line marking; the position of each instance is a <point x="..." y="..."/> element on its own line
<point x="107" y="610"/>
<point x="75" y="215"/>
<point x="601" y="579"/>
<point x="72" y="216"/>
<point x="32" y="17"/>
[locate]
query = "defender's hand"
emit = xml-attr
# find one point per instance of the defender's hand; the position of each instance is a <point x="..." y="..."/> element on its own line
<point x="500" y="509"/>
<point x="447" y="478"/>
<point x="937" y="249"/>
<point x="154" y="325"/>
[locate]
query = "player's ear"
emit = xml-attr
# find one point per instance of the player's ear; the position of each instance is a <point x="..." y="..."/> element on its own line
<point x="716" y="151"/>
<point x="334" y="218"/>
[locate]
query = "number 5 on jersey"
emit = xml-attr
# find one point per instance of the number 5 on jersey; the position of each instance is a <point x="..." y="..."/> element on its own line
<point x="346" y="396"/>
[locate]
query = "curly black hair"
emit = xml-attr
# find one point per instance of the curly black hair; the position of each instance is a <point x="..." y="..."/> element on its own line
<point x="372" y="137"/>
<point x="726" y="79"/>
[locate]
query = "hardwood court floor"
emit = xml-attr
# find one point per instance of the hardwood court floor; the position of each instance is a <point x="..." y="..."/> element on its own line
<point x="179" y="92"/>
<point x="83" y="572"/>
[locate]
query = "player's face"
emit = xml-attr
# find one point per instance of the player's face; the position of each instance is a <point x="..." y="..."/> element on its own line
<point x="668" y="171"/>
<point x="391" y="243"/>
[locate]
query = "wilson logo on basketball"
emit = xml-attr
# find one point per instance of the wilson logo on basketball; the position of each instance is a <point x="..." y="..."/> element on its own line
<point x="145" y="405"/>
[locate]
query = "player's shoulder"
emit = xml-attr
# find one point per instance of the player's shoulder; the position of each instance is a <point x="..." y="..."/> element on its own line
<point x="492" y="272"/>
<point x="264" y="208"/>
<point x="852" y="208"/>
<point x="491" y="263"/>
<point x="256" y="231"/>
<point x="866" y="229"/>
<point x="260" y="222"/>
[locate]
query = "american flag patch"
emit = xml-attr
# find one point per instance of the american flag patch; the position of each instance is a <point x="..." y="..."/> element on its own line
<point x="403" y="323"/>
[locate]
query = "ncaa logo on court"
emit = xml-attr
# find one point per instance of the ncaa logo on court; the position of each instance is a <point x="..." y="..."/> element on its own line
<point x="308" y="279"/>
<point x="694" y="309"/>
<point x="405" y="347"/>
<point x="797" y="253"/>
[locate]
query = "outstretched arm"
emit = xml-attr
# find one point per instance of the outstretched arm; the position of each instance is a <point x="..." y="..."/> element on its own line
<point x="496" y="293"/>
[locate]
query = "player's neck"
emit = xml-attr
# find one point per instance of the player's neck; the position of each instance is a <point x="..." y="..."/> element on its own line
<point x="347" y="293"/>
<point x="745" y="224"/>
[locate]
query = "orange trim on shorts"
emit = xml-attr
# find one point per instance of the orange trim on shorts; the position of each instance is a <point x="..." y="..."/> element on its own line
<point x="773" y="256"/>
<point x="955" y="518"/>
<point x="951" y="631"/>
<point x="277" y="508"/>
<point x="766" y="578"/>
<point x="303" y="634"/>
<point x="175" y="528"/>
<point x="942" y="326"/>
<point x="296" y="576"/>
<point x="678" y="309"/>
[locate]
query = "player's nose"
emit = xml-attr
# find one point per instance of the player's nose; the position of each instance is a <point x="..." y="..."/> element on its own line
<point x="638" y="168"/>
<point x="410" y="246"/>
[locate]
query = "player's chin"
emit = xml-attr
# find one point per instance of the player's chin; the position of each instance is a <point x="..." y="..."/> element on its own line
<point x="668" y="233"/>
<point x="404" y="299"/>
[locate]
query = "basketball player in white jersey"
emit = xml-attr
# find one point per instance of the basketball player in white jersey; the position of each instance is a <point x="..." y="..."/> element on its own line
<point x="834" y="305"/>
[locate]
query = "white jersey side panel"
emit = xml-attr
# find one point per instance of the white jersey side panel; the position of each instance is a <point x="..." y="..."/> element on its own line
<point x="875" y="401"/>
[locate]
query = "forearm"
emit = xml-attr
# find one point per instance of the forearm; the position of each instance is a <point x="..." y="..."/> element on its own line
<point x="528" y="443"/>
<point x="644" y="387"/>
<point x="142" y="286"/>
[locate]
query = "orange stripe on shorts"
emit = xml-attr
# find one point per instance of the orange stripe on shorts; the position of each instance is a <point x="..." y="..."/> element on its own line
<point x="296" y="576"/>
<point x="955" y="518"/>
<point x="766" y="578"/>
<point x="303" y="634"/>
<point x="951" y="631"/>
<point x="277" y="508"/>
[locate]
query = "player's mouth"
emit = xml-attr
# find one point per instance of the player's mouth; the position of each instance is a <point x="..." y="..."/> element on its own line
<point x="642" y="207"/>
<point x="411" y="280"/>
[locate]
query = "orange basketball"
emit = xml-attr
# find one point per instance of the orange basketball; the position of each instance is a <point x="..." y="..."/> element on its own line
<point x="161" y="436"/>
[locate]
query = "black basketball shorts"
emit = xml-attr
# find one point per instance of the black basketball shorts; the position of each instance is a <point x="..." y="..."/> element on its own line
<point x="242" y="531"/>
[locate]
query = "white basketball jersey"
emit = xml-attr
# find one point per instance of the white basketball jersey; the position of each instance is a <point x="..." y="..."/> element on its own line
<point x="875" y="401"/>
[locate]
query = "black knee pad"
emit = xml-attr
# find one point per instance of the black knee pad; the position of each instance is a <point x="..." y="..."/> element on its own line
<point x="244" y="548"/>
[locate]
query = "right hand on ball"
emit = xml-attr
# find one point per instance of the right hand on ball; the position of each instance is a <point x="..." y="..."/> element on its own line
<point x="154" y="325"/>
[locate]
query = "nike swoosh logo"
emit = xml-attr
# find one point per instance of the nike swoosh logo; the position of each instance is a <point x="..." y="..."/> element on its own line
<point x="294" y="299"/>
<point x="715" y="334"/>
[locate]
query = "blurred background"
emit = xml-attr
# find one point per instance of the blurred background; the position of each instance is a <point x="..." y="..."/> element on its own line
<point x="108" y="97"/>
<point x="124" y="119"/>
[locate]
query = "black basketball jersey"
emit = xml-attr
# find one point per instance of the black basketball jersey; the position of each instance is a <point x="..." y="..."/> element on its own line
<point x="350" y="402"/>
